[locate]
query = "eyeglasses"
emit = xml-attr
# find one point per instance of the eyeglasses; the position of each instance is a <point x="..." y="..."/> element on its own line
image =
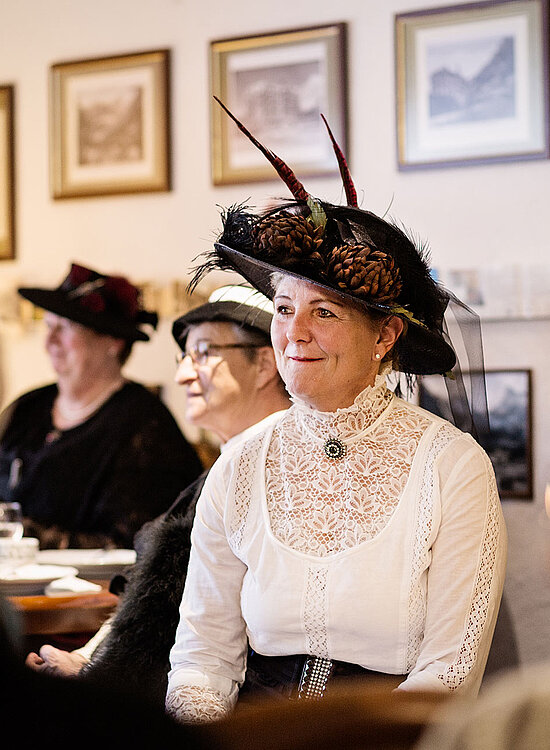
<point x="203" y="350"/>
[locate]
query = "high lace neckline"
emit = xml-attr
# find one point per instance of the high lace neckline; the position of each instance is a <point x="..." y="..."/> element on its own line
<point x="351" y="421"/>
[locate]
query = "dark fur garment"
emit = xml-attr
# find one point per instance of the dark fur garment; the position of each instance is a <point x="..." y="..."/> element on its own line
<point x="134" y="657"/>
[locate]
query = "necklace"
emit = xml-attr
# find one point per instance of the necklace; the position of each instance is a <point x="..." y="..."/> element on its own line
<point x="66" y="415"/>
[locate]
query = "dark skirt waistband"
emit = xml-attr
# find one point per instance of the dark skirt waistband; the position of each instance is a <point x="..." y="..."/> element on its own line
<point x="298" y="676"/>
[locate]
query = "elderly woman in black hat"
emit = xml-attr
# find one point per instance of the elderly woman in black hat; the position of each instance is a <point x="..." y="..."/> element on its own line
<point x="227" y="369"/>
<point x="93" y="456"/>
<point x="359" y="535"/>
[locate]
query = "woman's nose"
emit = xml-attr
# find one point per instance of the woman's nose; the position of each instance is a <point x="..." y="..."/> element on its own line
<point x="298" y="328"/>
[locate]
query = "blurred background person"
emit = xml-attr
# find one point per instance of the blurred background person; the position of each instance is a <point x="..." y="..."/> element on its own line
<point x="93" y="456"/>
<point x="233" y="388"/>
<point x="49" y="712"/>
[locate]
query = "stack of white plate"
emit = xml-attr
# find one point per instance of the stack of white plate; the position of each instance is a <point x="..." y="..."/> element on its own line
<point x="91" y="563"/>
<point x="28" y="580"/>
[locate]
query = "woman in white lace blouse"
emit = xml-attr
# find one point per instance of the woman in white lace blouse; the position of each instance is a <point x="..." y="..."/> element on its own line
<point x="358" y="534"/>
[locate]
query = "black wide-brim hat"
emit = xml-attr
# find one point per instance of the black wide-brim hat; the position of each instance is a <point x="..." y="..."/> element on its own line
<point x="420" y="350"/>
<point x="230" y="304"/>
<point x="109" y="305"/>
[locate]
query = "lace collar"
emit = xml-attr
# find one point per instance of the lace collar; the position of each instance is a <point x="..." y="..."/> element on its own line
<point x="350" y="422"/>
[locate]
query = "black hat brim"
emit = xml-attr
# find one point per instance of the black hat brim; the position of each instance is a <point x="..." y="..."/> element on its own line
<point x="420" y="351"/>
<point x="58" y="303"/>
<point x="224" y="311"/>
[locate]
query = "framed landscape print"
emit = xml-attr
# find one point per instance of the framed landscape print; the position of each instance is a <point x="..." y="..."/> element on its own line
<point x="278" y="85"/>
<point x="7" y="173"/>
<point x="510" y="418"/>
<point x="472" y="84"/>
<point x="110" y="125"/>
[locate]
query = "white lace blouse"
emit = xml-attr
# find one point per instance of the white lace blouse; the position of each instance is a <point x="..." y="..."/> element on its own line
<point x="392" y="557"/>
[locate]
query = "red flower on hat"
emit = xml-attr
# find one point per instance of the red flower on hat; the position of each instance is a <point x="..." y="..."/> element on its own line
<point x="93" y="302"/>
<point x="124" y="294"/>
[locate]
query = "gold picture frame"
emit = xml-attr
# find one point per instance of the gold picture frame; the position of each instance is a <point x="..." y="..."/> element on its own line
<point x="472" y="84"/>
<point x="110" y="125"/>
<point x="7" y="174"/>
<point x="278" y="84"/>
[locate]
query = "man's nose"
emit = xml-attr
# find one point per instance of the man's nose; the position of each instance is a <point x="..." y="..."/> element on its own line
<point x="186" y="370"/>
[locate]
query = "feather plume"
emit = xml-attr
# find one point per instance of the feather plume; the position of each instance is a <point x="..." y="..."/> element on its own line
<point x="349" y="187"/>
<point x="283" y="170"/>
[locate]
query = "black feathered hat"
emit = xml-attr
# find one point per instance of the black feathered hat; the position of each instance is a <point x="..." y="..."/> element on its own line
<point x="107" y="304"/>
<point x="347" y="250"/>
<point x="369" y="261"/>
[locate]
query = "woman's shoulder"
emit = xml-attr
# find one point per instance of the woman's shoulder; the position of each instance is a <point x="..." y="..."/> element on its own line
<point x="32" y="399"/>
<point x="401" y="405"/>
<point x="29" y="408"/>
<point x="439" y="429"/>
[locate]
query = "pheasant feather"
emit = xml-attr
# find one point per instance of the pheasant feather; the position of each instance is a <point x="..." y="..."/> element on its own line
<point x="283" y="170"/>
<point x="349" y="187"/>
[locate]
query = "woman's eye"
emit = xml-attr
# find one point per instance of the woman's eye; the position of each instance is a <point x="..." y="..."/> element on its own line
<point x="324" y="313"/>
<point x="283" y="309"/>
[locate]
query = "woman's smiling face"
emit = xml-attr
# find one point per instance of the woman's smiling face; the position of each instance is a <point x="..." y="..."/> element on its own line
<point x="325" y="348"/>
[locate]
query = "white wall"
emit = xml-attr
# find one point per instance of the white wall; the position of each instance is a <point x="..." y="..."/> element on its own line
<point x="471" y="215"/>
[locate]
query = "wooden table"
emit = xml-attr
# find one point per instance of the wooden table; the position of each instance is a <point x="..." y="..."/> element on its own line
<point x="69" y="620"/>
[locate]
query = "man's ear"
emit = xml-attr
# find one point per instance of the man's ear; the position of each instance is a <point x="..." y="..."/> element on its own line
<point x="266" y="367"/>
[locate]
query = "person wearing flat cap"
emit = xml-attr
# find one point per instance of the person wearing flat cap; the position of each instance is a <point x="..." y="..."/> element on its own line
<point x="93" y="456"/>
<point x="358" y="536"/>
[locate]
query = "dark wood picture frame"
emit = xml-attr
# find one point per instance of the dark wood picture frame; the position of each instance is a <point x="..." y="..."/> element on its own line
<point x="509" y="446"/>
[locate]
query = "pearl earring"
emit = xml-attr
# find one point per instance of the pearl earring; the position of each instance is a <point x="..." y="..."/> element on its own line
<point x="377" y="355"/>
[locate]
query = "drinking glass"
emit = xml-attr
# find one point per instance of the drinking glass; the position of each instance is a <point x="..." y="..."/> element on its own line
<point x="11" y="521"/>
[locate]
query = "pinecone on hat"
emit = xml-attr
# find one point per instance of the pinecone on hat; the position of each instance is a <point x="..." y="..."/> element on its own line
<point x="365" y="272"/>
<point x="289" y="238"/>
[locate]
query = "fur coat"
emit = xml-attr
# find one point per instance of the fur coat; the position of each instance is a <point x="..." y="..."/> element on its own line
<point x="134" y="656"/>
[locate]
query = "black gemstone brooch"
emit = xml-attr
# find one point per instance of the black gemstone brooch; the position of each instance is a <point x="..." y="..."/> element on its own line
<point x="334" y="448"/>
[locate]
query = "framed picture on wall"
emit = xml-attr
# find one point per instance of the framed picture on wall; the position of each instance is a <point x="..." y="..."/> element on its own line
<point x="509" y="444"/>
<point x="109" y="125"/>
<point x="278" y="85"/>
<point x="7" y="172"/>
<point x="472" y="84"/>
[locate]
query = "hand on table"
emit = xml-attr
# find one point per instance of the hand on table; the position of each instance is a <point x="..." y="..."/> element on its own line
<point x="56" y="662"/>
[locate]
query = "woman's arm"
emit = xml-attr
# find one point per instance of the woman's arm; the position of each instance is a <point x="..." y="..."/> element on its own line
<point x="465" y="576"/>
<point x="208" y="658"/>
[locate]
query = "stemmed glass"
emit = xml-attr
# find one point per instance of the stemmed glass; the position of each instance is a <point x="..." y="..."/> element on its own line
<point x="11" y="520"/>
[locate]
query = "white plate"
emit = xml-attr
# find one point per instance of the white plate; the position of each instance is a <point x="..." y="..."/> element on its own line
<point x="26" y="580"/>
<point x="91" y="563"/>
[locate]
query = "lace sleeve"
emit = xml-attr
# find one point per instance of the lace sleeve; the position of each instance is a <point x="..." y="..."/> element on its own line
<point x="465" y="575"/>
<point x="190" y="704"/>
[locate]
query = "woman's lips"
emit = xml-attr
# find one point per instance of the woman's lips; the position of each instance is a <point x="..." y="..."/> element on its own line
<point x="305" y="359"/>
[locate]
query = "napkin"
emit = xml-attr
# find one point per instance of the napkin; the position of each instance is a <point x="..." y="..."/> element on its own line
<point x="71" y="585"/>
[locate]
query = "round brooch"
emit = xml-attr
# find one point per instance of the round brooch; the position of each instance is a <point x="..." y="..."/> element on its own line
<point x="334" y="448"/>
